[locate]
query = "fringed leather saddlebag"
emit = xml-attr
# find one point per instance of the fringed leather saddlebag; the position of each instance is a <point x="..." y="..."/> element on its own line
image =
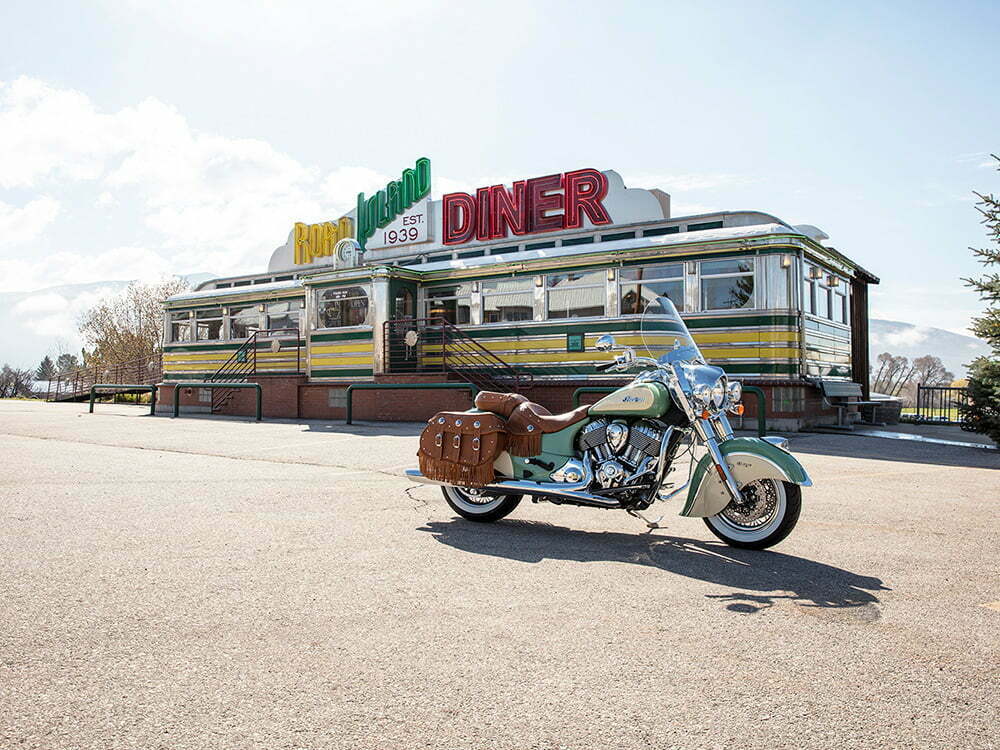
<point x="460" y="448"/>
<point x="524" y="433"/>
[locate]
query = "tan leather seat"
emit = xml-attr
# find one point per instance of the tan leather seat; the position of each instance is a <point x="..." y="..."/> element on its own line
<point x="520" y="412"/>
<point x="530" y="417"/>
<point x="499" y="403"/>
<point x="527" y="421"/>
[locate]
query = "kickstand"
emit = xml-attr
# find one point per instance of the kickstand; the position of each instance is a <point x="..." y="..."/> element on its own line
<point x="649" y="524"/>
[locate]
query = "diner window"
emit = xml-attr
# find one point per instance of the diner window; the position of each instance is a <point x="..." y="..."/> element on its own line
<point x="809" y="291"/>
<point x="284" y="314"/>
<point x="658" y="231"/>
<point x="453" y="303"/>
<point x="208" y="324"/>
<point x="403" y="304"/>
<point x="822" y="302"/>
<point x="640" y="286"/>
<point x="343" y="306"/>
<point x="576" y="295"/>
<point x="180" y="326"/>
<point x="704" y="225"/>
<point x="243" y="321"/>
<point x="842" y="310"/>
<point x="508" y="300"/>
<point x="727" y="284"/>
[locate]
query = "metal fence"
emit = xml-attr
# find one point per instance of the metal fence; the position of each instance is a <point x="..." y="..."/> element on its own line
<point x="939" y="404"/>
<point x="75" y="385"/>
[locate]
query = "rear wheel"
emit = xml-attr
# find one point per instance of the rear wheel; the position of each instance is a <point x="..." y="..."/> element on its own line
<point x="768" y="513"/>
<point x="474" y="505"/>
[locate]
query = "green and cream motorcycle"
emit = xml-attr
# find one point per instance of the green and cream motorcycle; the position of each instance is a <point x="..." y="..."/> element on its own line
<point x="626" y="451"/>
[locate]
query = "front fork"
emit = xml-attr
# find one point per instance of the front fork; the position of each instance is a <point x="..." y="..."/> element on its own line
<point x="711" y="431"/>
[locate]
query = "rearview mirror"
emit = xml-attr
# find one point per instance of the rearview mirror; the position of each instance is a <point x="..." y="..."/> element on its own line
<point x="605" y="343"/>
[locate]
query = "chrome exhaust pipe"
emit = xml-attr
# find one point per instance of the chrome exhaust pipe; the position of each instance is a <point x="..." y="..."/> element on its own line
<point x="536" y="489"/>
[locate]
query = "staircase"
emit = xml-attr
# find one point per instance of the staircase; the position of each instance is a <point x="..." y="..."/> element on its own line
<point x="242" y="364"/>
<point x="434" y="345"/>
<point x="75" y="384"/>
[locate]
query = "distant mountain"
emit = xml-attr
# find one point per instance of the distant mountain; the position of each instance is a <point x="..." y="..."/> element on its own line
<point x="908" y="340"/>
<point x="33" y="324"/>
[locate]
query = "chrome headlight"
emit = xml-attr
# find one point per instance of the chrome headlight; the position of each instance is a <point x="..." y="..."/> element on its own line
<point x="702" y="394"/>
<point x="718" y="394"/>
<point x="735" y="392"/>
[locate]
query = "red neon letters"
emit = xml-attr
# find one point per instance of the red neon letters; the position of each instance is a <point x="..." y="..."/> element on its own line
<point x="530" y="206"/>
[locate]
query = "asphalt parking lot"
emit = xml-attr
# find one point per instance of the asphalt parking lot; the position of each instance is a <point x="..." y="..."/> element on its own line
<point x="207" y="583"/>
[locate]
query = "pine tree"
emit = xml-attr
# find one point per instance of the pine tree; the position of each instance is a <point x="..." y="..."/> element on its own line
<point x="46" y="370"/>
<point x="983" y="411"/>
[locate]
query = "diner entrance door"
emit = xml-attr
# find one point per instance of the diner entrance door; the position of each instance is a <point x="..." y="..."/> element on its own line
<point x="401" y="354"/>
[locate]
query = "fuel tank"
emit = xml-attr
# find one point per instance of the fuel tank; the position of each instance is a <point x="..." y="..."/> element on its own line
<point x="635" y="400"/>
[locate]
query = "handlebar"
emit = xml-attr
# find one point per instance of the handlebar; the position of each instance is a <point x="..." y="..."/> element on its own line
<point x="624" y="362"/>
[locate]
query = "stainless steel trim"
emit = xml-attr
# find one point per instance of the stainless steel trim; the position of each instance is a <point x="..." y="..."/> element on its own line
<point x="545" y="489"/>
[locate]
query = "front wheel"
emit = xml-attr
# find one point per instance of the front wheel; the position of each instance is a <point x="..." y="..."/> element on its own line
<point x="768" y="513"/>
<point x="476" y="506"/>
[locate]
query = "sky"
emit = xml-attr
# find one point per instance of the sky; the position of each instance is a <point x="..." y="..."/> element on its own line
<point x="139" y="139"/>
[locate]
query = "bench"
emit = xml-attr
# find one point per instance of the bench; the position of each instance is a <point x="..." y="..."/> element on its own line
<point x="838" y="394"/>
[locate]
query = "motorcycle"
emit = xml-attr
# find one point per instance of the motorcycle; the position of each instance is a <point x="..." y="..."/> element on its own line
<point x="619" y="453"/>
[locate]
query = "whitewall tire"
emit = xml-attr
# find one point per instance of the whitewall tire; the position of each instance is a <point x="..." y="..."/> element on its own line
<point x="474" y="506"/>
<point x="769" y="515"/>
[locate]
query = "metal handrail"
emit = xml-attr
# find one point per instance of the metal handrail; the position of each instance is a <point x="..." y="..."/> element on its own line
<point x="459" y="354"/>
<point x="236" y="369"/>
<point x="124" y="387"/>
<point x="78" y="381"/>
<point x="473" y="390"/>
<point x="211" y="386"/>
<point x="941" y="404"/>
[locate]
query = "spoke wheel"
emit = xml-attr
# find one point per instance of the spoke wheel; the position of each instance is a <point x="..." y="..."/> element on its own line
<point x="767" y="514"/>
<point x="476" y="505"/>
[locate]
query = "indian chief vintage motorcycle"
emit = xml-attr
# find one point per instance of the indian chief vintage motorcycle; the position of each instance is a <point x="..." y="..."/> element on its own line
<point x="618" y="452"/>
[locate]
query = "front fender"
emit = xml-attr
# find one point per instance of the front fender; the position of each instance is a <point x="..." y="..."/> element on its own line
<point x="749" y="459"/>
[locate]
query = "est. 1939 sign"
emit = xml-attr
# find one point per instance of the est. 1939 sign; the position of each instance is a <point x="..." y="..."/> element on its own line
<point x="409" y="228"/>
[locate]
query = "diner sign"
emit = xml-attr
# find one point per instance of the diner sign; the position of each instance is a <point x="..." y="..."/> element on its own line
<point x="542" y="204"/>
<point x="319" y="240"/>
<point x="397" y="214"/>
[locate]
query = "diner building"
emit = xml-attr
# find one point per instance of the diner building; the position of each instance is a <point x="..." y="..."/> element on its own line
<point x="509" y="287"/>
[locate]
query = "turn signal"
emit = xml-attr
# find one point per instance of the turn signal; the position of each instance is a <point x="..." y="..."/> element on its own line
<point x="705" y="414"/>
<point x="738" y="410"/>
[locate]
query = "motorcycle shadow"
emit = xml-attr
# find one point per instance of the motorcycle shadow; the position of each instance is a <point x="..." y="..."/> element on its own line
<point x="761" y="577"/>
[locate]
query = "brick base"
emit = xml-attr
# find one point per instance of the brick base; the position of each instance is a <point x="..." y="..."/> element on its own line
<point x="790" y="404"/>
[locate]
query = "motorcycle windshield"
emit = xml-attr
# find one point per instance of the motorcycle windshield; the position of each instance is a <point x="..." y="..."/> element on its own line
<point x="665" y="336"/>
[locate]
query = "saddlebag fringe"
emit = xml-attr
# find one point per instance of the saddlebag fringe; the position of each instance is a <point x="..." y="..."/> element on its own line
<point x="458" y="474"/>
<point x="460" y="447"/>
<point x="524" y="444"/>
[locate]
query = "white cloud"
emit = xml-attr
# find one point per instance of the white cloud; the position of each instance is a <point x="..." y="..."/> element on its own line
<point x="106" y="200"/>
<point x="903" y="338"/>
<point x="54" y="315"/>
<point x="18" y="225"/>
<point x="212" y="202"/>
<point x="47" y="132"/>
<point x="340" y="187"/>
<point x="67" y="267"/>
<point x="40" y="303"/>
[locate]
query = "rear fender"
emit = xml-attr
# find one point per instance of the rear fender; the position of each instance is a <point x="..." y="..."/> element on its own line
<point x="749" y="459"/>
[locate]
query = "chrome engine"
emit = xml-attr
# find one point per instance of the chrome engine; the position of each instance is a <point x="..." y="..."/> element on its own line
<point x="620" y="453"/>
